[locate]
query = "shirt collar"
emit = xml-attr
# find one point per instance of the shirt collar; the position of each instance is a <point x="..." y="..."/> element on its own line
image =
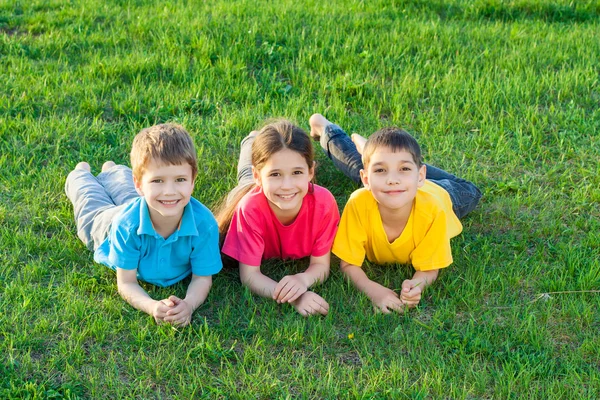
<point x="187" y="226"/>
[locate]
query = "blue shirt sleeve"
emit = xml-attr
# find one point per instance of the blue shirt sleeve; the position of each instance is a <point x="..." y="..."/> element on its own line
<point x="205" y="257"/>
<point x="124" y="248"/>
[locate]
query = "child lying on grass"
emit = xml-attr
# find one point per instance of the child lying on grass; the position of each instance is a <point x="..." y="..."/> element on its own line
<point x="145" y="225"/>
<point x="407" y="211"/>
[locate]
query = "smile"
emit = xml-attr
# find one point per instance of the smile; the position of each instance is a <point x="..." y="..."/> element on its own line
<point x="286" y="196"/>
<point x="168" y="202"/>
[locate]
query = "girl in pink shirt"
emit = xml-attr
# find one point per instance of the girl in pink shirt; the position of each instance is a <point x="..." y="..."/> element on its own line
<point x="277" y="212"/>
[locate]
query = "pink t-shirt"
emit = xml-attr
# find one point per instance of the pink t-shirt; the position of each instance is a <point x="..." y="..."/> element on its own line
<point x="255" y="233"/>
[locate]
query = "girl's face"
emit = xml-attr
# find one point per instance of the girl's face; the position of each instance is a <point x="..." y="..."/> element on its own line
<point x="284" y="180"/>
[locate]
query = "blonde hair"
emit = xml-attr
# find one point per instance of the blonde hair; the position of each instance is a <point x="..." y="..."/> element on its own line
<point x="273" y="137"/>
<point x="170" y="144"/>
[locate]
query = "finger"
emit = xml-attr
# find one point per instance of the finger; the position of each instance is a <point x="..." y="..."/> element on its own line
<point x="167" y="302"/>
<point x="287" y="290"/>
<point x="292" y="295"/>
<point x="383" y="309"/>
<point x="175" y="299"/>
<point x="407" y="285"/>
<point x="321" y="308"/>
<point x="279" y="287"/>
<point x="179" y="308"/>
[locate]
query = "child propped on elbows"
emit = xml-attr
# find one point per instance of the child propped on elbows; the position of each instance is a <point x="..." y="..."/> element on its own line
<point x="145" y="224"/>
<point x="406" y="213"/>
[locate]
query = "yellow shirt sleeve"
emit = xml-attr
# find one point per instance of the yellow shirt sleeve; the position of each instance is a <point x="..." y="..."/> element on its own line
<point x="433" y="250"/>
<point x="350" y="240"/>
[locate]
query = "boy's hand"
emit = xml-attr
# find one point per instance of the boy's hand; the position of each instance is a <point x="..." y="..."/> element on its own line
<point x="160" y="309"/>
<point x="181" y="312"/>
<point x="290" y="288"/>
<point x="311" y="303"/>
<point x="411" y="292"/>
<point x="385" y="299"/>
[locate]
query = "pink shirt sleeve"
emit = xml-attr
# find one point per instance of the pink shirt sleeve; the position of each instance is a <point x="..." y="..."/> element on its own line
<point x="327" y="212"/>
<point x="243" y="241"/>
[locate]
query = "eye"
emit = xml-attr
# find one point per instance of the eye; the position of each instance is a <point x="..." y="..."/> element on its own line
<point x="298" y="172"/>
<point x="379" y="170"/>
<point x="406" y="169"/>
<point x="274" y="174"/>
<point x="180" y="180"/>
<point x="156" y="181"/>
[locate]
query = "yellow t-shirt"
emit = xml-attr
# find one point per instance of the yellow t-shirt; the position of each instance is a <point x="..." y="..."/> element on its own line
<point x="424" y="242"/>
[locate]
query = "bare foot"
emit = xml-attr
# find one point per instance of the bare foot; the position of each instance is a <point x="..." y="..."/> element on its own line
<point x="83" y="165"/>
<point x="317" y="123"/>
<point x="359" y="142"/>
<point x="108" y="165"/>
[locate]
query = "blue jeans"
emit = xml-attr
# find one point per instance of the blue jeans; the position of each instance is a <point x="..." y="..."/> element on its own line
<point x="338" y="146"/>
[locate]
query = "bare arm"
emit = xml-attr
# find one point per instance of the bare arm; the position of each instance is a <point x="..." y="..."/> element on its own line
<point x="291" y="287"/>
<point x="131" y="291"/>
<point x="383" y="298"/>
<point x="258" y="283"/>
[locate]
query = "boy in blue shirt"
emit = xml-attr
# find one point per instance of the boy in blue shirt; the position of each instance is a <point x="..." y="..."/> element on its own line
<point x="144" y="224"/>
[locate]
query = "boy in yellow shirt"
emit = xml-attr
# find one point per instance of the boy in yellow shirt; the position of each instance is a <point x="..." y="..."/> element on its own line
<point x="407" y="211"/>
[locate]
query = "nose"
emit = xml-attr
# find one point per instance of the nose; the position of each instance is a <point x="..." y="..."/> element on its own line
<point x="287" y="182"/>
<point x="392" y="179"/>
<point x="169" y="188"/>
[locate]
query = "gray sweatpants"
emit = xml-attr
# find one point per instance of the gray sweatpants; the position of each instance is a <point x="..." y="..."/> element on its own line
<point x="96" y="200"/>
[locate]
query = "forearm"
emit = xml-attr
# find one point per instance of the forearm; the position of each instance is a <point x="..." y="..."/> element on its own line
<point x="317" y="271"/>
<point x="359" y="279"/>
<point x="425" y="277"/>
<point x="198" y="290"/>
<point x="258" y="283"/>
<point x="137" y="297"/>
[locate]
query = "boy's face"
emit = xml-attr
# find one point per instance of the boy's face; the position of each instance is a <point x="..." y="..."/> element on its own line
<point x="393" y="178"/>
<point x="167" y="190"/>
<point x="284" y="179"/>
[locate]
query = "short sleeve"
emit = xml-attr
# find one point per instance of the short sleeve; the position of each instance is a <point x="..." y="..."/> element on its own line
<point x="124" y="248"/>
<point x="328" y="226"/>
<point x="350" y="241"/>
<point x="244" y="241"/>
<point x="433" y="251"/>
<point x="205" y="257"/>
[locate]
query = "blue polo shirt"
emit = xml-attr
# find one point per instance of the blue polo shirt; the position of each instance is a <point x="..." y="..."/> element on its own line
<point x="133" y="243"/>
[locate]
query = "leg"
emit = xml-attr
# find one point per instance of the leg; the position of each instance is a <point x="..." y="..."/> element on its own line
<point x="464" y="194"/>
<point x="244" y="168"/>
<point x="337" y="146"/>
<point x="90" y="201"/>
<point x="118" y="183"/>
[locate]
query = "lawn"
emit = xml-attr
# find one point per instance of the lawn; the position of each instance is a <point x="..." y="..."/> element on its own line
<point x="503" y="93"/>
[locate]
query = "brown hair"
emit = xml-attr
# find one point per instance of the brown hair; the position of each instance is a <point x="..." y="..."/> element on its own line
<point x="273" y="137"/>
<point x="395" y="139"/>
<point x="170" y="144"/>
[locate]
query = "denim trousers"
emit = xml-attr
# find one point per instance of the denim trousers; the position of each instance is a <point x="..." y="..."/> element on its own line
<point x="338" y="146"/>
<point x="96" y="201"/>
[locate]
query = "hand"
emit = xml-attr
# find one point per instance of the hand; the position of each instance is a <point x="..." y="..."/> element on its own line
<point x="290" y="288"/>
<point x="311" y="303"/>
<point x="411" y="292"/>
<point x="181" y="312"/>
<point x="385" y="300"/>
<point x="160" y="309"/>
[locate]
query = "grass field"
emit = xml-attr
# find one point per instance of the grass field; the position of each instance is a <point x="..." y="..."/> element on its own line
<point x="504" y="93"/>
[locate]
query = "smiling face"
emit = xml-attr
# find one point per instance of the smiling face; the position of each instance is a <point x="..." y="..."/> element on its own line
<point x="284" y="179"/>
<point x="393" y="177"/>
<point x="167" y="190"/>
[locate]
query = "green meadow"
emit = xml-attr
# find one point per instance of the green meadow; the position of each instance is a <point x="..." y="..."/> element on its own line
<point x="505" y="93"/>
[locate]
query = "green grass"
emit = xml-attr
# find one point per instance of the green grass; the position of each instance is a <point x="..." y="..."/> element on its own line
<point x="504" y="93"/>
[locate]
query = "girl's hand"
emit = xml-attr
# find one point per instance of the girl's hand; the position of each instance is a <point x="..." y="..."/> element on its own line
<point x="180" y="314"/>
<point x="311" y="303"/>
<point x="411" y="292"/>
<point x="160" y="309"/>
<point x="290" y="288"/>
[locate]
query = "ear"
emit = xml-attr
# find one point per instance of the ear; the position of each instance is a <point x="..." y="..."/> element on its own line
<point x="422" y="175"/>
<point x="365" y="179"/>
<point x="138" y="186"/>
<point x="256" y="176"/>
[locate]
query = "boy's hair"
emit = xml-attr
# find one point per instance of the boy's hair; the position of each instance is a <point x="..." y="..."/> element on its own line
<point x="395" y="139"/>
<point x="273" y="137"/>
<point x="169" y="144"/>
